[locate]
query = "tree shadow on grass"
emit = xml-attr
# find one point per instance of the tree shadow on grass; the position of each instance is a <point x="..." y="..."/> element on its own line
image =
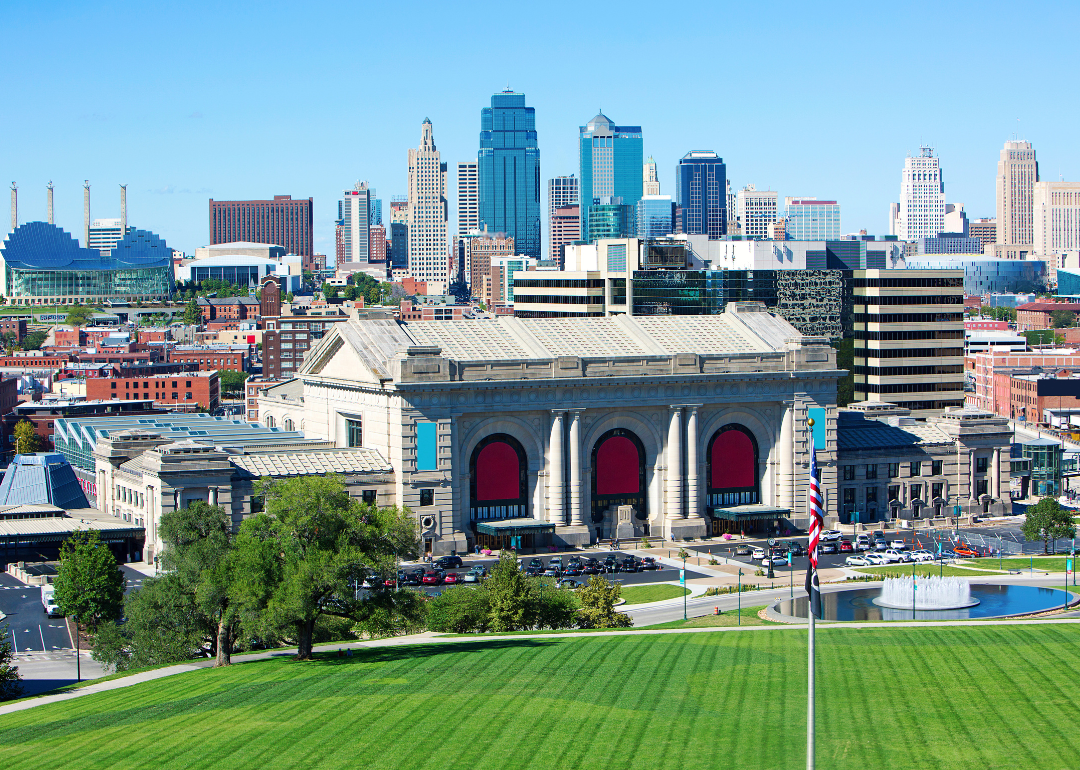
<point x="417" y="651"/>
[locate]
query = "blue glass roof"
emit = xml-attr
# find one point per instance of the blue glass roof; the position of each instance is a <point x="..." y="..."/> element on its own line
<point x="41" y="246"/>
<point x="45" y="477"/>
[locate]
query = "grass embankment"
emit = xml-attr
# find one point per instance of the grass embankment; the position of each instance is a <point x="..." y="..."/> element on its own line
<point x="959" y="697"/>
<point x="723" y="620"/>
<point x="923" y="570"/>
<point x="651" y="593"/>
<point x="1040" y="563"/>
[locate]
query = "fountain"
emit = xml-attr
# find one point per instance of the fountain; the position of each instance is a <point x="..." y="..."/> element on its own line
<point x="928" y="593"/>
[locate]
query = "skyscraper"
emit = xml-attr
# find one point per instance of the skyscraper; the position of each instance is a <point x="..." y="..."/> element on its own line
<point x="562" y="196"/>
<point x="565" y="229"/>
<point x="1017" y="173"/>
<point x="652" y="181"/>
<point x="508" y="171"/>
<point x="809" y="219"/>
<point x="562" y="191"/>
<point x="468" y="206"/>
<point x="921" y="210"/>
<point x="756" y="211"/>
<point x="355" y="213"/>
<point x="281" y="222"/>
<point x="655" y="216"/>
<point x="428" y="248"/>
<point x="701" y="185"/>
<point x="611" y="161"/>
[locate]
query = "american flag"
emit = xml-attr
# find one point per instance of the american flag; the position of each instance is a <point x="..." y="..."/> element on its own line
<point x="817" y="523"/>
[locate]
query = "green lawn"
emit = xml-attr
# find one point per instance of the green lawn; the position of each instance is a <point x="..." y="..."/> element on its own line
<point x="923" y="570"/>
<point x="651" y="593"/>
<point x="1044" y="563"/>
<point x="983" y="697"/>
<point x="724" y="619"/>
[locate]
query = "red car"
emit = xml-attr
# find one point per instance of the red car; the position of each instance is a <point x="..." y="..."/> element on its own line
<point x="432" y="579"/>
<point x="846" y="547"/>
<point x="452" y="578"/>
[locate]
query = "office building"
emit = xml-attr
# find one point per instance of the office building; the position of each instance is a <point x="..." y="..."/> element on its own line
<point x="651" y="180"/>
<point x="187" y="392"/>
<point x="281" y="221"/>
<point x="355" y="214"/>
<point x="398" y="251"/>
<point x="468" y="200"/>
<point x="956" y="221"/>
<point x="756" y="211"/>
<point x="808" y="219"/>
<point x="1057" y="225"/>
<point x="1017" y="173"/>
<point x="428" y="258"/>
<point x="508" y="172"/>
<point x="565" y="229"/>
<point x="655" y="216"/>
<point x="948" y="243"/>
<point x="377" y="245"/>
<point x="611" y="165"/>
<point x="921" y="210"/>
<point x="985" y="230"/>
<point x="105" y="234"/>
<point x="701" y="193"/>
<point x="611" y="218"/>
<point x="480" y="251"/>
<point x="734" y="226"/>
<point x="499" y="283"/>
<point x="985" y="275"/>
<point x="563" y="191"/>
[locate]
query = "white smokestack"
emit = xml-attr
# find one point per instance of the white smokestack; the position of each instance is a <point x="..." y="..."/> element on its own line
<point x="123" y="211"/>
<point x="86" y="212"/>
<point x="50" y="188"/>
<point x="14" y="206"/>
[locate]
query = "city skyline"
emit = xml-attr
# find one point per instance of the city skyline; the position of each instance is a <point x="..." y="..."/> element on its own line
<point x="209" y="143"/>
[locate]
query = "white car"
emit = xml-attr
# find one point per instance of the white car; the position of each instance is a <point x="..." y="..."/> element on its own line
<point x="898" y="545"/>
<point x="921" y="556"/>
<point x="857" y="561"/>
<point x="831" y="535"/>
<point x="759" y="553"/>
<point x="874" y="559"/>
<point x="892" y="556"/>
<point x="776" y="561"/>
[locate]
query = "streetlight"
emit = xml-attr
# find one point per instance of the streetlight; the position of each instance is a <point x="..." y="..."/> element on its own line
<point x="682" y="582"/>
<point x="740" y="596"/>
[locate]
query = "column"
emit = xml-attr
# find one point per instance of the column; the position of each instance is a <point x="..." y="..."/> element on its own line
<point x="971" y="474"/>
<point x="556" y="489"/>
<point x="212" y="495"/>
<point x="787" y="459"/>
<point x="673" y="500"/>
<point x="693" y="497"/>
<point x="575" y="468"/>
<point x="995" y="482"/>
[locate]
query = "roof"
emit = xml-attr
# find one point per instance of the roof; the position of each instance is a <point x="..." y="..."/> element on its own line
<point x="1049" y="307"/>
<point x="44" y="247"/>
<point x="43" y="477"/>
<point x="854" y="432"/>
<point x="244" y="300"/>
<point x="358" y="460"/>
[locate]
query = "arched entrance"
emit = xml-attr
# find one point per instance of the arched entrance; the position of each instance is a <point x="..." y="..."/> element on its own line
<point x="732" y="475"/>
<point x="498" y="485"/>
<point x="618" y="478"/>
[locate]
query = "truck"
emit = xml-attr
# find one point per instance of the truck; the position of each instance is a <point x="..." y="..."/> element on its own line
<point x="48" y="601"/>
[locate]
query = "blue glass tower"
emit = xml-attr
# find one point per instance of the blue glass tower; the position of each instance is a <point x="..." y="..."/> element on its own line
<point x="612" y="165"/>
<point x="508" y="172"/>
<point x="701" y="190"/>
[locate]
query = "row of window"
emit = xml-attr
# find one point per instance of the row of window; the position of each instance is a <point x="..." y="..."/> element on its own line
<point x="982" y="464"/>
<point x="913" y="299"/>
<point x="915" y="334"/>
<point x="907" y="318"/>
<point x="906" y="283"/>
<point x="910" y="387"/>
<point x="848" y="495"/>
<point x="909" y="352"/>
<point x="558" y="299"/>
<point x="894" y="371"/>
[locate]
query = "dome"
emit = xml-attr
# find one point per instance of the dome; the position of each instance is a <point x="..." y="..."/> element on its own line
<point x="601" y="121"/>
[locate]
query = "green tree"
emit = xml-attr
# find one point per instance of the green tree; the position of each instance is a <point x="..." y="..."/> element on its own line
<point x="34" y="340"/>
<point x="597" y="600"/>
<point x="10" y="681"/>
<point x="27" y="440"/>
<point x="1062" y="318"/>
<point x="192" y="312"/>
<point x="845" y="359"/>
<point x="302" y="557"/>
<point x="459" y="610"/>
<point x="509" y="596"/>
<point x="232" y="383"/>
<point x="79" y="315"/>
<point x="1046" y="521"/>
<point x="329" y="291"/>
<point x="88" y="585"/>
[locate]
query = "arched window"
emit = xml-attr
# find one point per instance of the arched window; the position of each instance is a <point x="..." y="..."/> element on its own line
<point x="288" y="425"/>
<point x="498" y="482"/>
<point x="270" y="421"/>
<point x="733" y="467"/>
<point x="618" y="477"/>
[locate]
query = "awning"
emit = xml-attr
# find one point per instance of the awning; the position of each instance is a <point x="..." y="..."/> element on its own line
<point x="748" y="512"/>
<point x="514" y="527"/>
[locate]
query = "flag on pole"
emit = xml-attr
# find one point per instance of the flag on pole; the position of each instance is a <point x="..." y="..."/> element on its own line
<point x="817" y="524"/>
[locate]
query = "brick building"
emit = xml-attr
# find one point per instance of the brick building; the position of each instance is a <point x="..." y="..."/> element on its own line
<point x="281" y="221"/>
<point x="212" y="357"/>
<point x="1030" y="394"/>
<point x="1036" y="315"/>
<point x="16" y="326"/>
<point x="181" y="392"/>
<point x="287" y="338"/>
<point x="411" y="312"/>
<point x="252" y="388"/>
<point x="228" y="309"/>
<point x="43" y="414"/>
<point x="991" y="391"/>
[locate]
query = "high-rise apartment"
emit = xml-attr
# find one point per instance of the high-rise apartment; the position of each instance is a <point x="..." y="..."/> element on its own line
<point x="921" y="210"/>
<point x="508" y="171"/>
<point x="482" y="250"/>
<point x="562" y="193"/>
<point x="355" y="212"/>
<point x="611" y="165"/>
<point x="757" y="212"/>
<point x="701" y="190"/>
<point x="652" y="181"/>
<point x="428" y="257"/>
<point x="565" y="229"/>
<point x="468" y="205"/>
<point x="809" y="219"/>
<point x="281" y="222"/>
<point x="1017" y="173"/>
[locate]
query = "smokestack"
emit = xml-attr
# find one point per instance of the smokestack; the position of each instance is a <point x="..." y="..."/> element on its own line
<point x="123" y="211"/>
<point x="86" y="212"/>
<point x="50" y="188"/>
<point x="14" y="206"/>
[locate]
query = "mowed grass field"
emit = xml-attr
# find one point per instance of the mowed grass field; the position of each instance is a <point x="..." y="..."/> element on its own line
<point x="981" y="697"/>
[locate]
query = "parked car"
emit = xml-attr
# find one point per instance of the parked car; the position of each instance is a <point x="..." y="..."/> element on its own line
<point x="875" y="559"/>
<point x="846" y="547"/>
<point x="432" y="579"/>
<point x="776" y="561"/>
<point x="610" y="564"/>
<point x="831" y="534"/>
<point x="556" y="562"/>
<point x="898" y="545"/>
<point x="630" y="565"/>
<point x="965" y="551"/>
<point x="880" y="545"/>
<point x="649" y="563"/>
<point x="570" y="583"/>
<point x="592" y="567"/>
<point x="892" y="556"/>
<point x="828" y="548"/>
<point x="856" y="561"/>
<point x="862" y="543"/>
<point x="449" y="562"/>
<point x="795" y="548"/>
<point x="470" y="577"/>
<point x="572" y="570"/>
<point x="743" y="550"/>
<point x="757" y="554"/>
<point x="922" y="556"/>
<point x="452" y="578"/>
<point x="551" y="572"/>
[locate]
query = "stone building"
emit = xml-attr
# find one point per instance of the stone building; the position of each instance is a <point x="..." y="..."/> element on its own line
<point x="531" y="432"/>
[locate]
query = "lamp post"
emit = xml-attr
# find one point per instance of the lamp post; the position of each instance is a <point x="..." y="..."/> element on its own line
<point x="740" y="597"/>
<point x="682" y="583"/>
<point x="78" y="660"/>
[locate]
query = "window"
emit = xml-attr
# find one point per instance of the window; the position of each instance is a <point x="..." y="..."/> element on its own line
<point x="258" y="504"/>
<point x="894" y="492"/>
<point x="288" y="425"/>
<point x="354" y="433"/>
<point x="370" y="496"/>
<point x="937" y="491"/>
<point x="426" y="447"/>
<point x="935" y="468"/>
<point x="849" y="473"/>
<point x="981" y="487"/>
<point x="427" y="497"/>
<point x="981" y="464"/>
<point x="849" y="496"/>
<point x="894" y="470"/>
<point x="916" y="469"/>
<point x="871" y="471"/>
<point x="871" y="495"/>
<point x="269" y="422"/>
<point x="113" y="385"/>
<point x="916" y="491"/>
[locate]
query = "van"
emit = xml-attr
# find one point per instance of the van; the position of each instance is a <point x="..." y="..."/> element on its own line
<point x="49" y="602"/>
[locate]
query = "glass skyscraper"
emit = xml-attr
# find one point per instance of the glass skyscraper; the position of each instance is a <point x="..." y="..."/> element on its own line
<point x="508" y="169"/>
<point x="612" y="164"/>
<point x="809" y="219"/>
<point x="701" y="190"/>
<point x="654" y="216"/>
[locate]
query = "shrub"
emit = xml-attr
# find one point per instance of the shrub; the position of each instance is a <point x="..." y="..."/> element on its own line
<point x="459" y="610"/>
<point x="598" y="599"/>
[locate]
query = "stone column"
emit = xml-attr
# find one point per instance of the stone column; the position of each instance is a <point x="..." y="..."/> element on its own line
<point x="693" y="495"/>
<point x="995" y="482"/>
<point x="971" y="474"/>
<point x="575" y="468"/>
<point x="556" y="489"/>
<point x="787" y="459"/>
<point x="212" y="496"/>
<point x="673" y="498"/>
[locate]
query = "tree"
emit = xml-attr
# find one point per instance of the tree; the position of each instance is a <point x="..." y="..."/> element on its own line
<point x="192" y="312"/>
<point x="302" y="557"/>
<point x="329" y="291"/>
<point x="27" y="440"/>
<point x="1046" y="521"/>
<point x="88" y="586"/>
<point x="845" y="359"/>
<point x="232" y="383"/>
<point x="597" y="600"/>
<point x="10" y="681"/>
<point x="459" y="610"/>
<point x="1061" y="318"/>
<point x="34" y="340"/>
<point x="79" y="315"/>
<point x="508" y="595"/>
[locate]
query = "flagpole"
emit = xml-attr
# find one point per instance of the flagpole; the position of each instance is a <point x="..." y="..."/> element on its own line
<point x="810" y="728"/>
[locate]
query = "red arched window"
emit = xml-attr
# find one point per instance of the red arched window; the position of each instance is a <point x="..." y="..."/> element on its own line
<point x="617" y="467"/>
<point x="497" y="472"/>
<point x="733" y="467"/>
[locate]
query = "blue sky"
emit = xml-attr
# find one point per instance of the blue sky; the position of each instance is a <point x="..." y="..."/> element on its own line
<point x="188" y="101"/>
